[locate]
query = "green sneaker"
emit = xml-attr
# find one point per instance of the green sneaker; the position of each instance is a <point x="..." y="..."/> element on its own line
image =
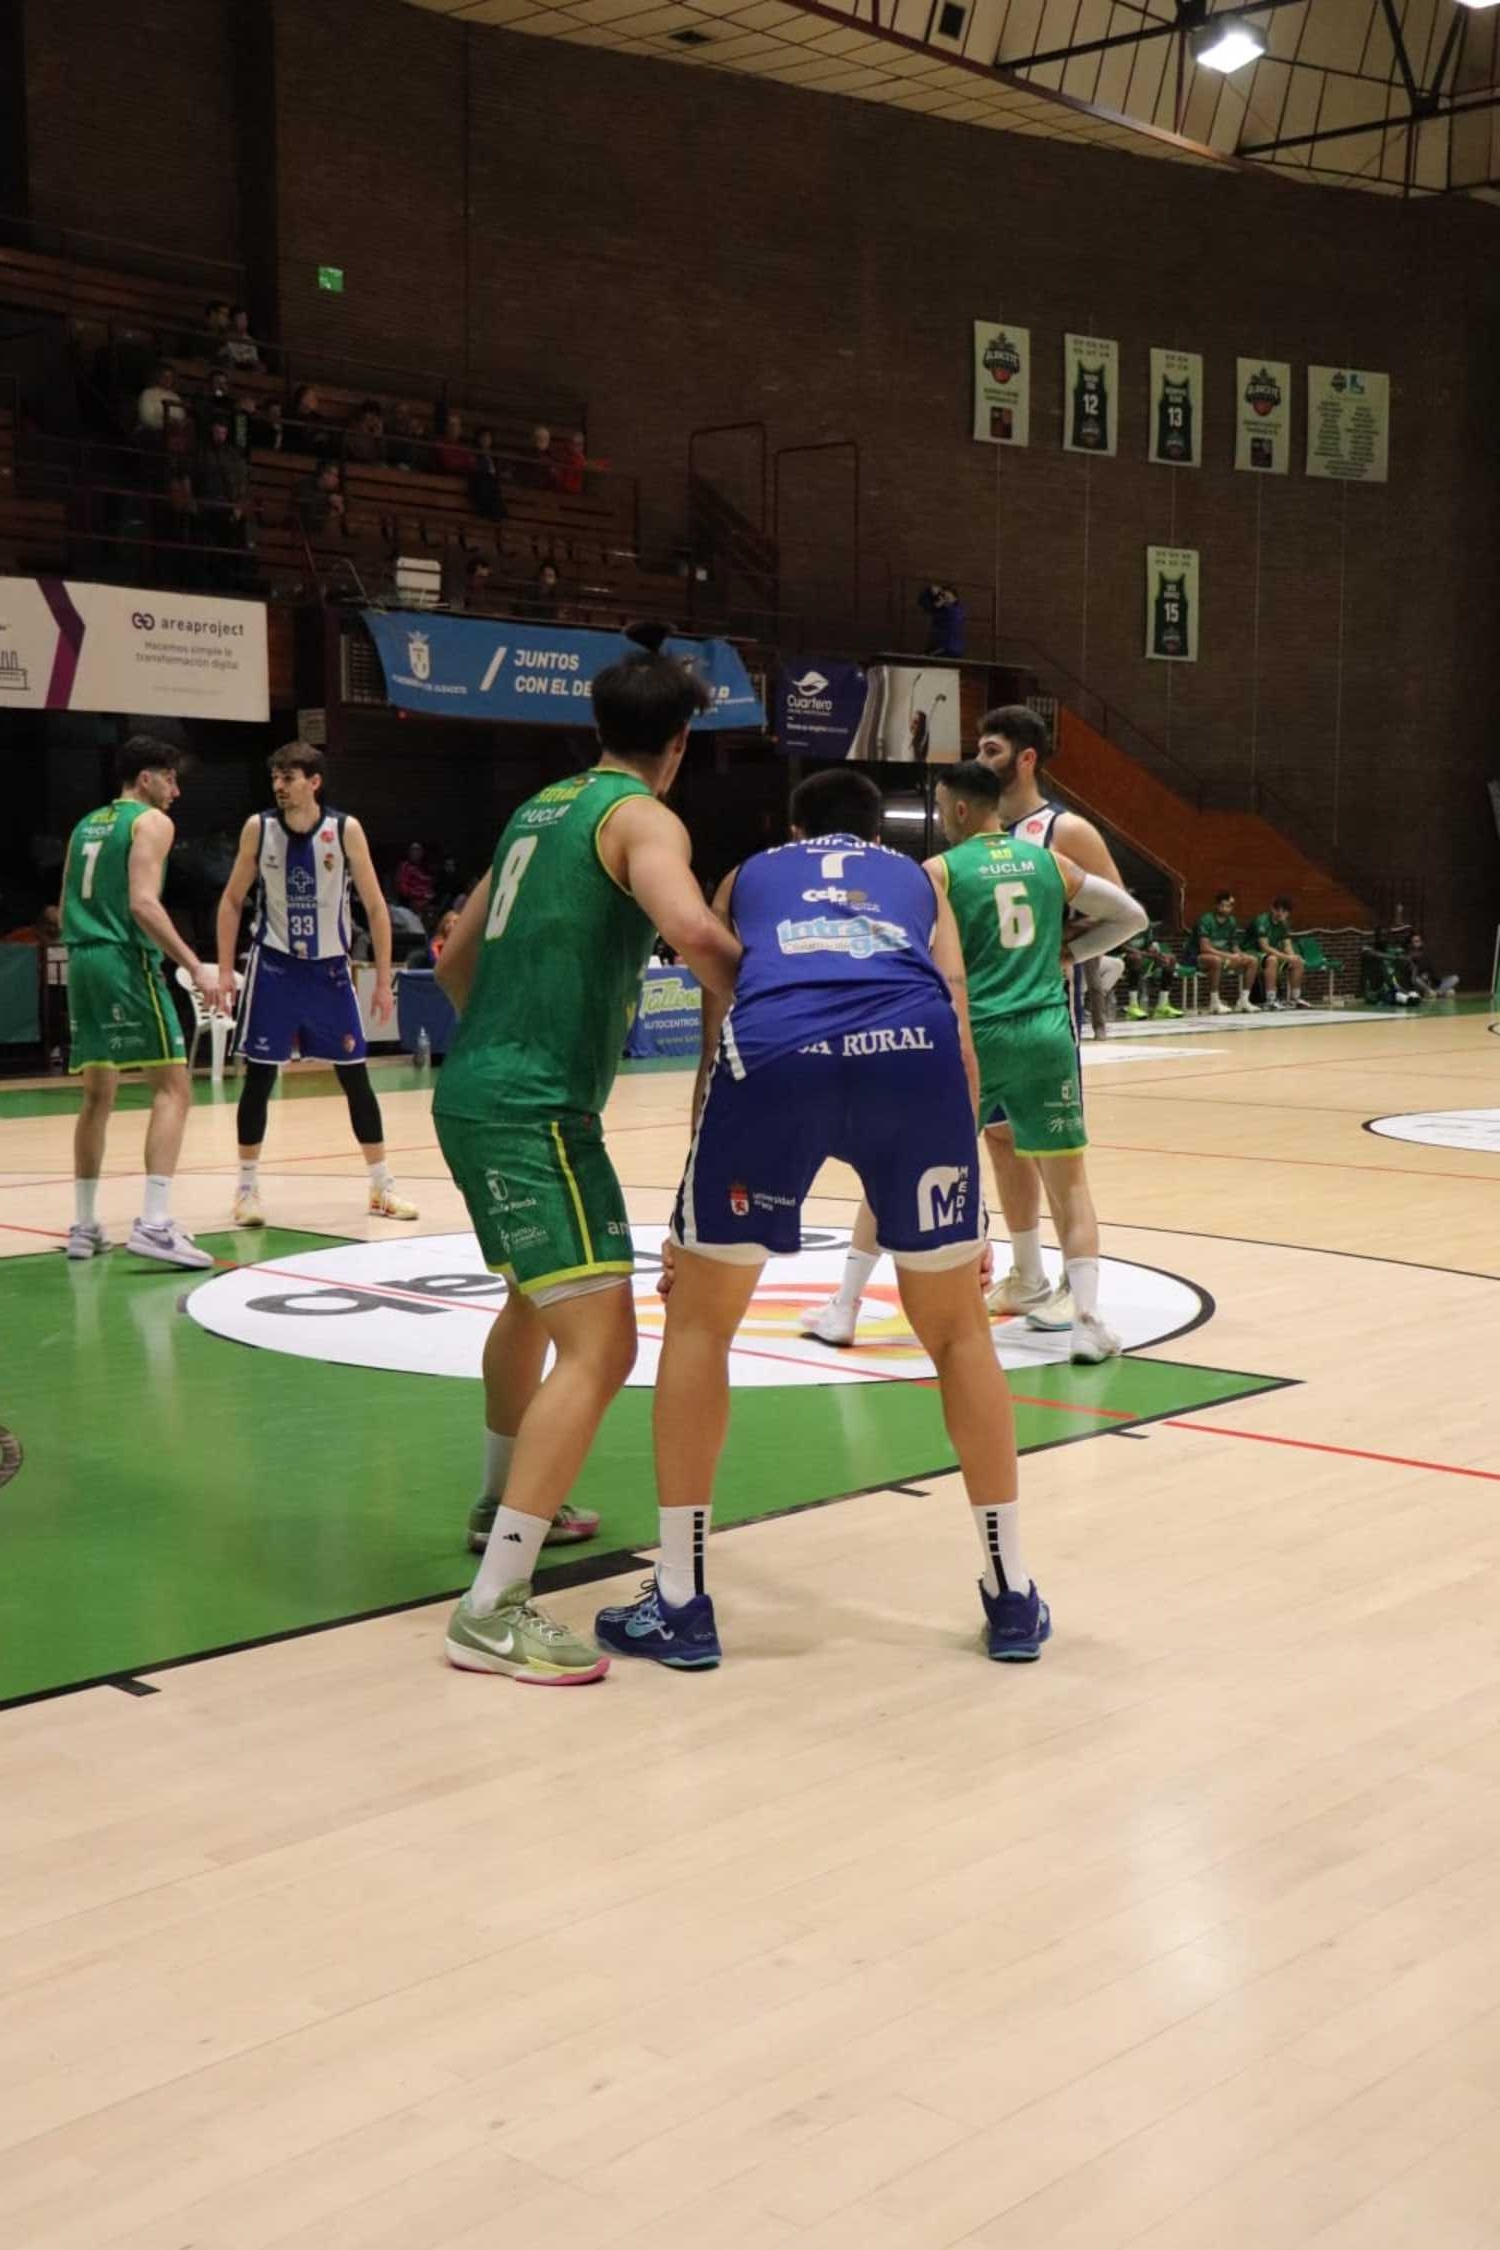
<point x="1164" y="1007"/>
<point x="569" y="1525"/>
<point x="515" y="1638"/>
<point x="1135" y="1013"/>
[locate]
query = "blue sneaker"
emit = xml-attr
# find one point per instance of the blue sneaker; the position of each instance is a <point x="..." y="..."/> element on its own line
<point x="685" y="1638"/>
<point x="1017" y="1625"/>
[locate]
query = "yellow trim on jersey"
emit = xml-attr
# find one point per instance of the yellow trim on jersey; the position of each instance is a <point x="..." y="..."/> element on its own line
<point x="148" y="970"/>
<point x="576" y="1273"/>
<point x="1080" y="1148"/>
<point x="599" y="827"/>
<point x="573" y="1190"/>
<point x="940" y="866"/>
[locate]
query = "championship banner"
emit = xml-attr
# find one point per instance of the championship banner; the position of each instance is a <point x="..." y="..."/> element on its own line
<point x="668" y="1016"/>
<point x="818" y="708"/>
<point x="1002" y="384"/>
<point x="1348" y="424"/>
<point x="1172" y="604"/>
<point x="1091" y="392"/>
<point x="1176" y="421"/>
<point x="1263" y="416"/>
<point x="536" y="675"/>
<point x="911" y="717"/>
<point x="69" y="646"/>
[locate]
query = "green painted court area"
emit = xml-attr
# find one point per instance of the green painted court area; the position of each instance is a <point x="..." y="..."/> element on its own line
<point x="179" y="1494"/>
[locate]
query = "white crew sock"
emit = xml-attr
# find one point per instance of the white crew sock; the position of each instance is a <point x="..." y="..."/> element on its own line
<point x="1026" y="1256"/>
<point x="679" y="1569"/>
<point x="380" y="1177"/>
<point x="858" y="1267"/>
<point x="158" y="1196"/>
<point x="85" y="1196"/>
<point x="1083" y="1285"/>
<point x="249" y="1174"/>
<point x="999" y="1530"/>
<point x="514" y="1545"/>
<point x="497" y="1453"/>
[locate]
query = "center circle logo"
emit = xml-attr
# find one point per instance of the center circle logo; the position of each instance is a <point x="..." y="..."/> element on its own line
<point x="1477" y="1129"/>
<point x="423" y="1307"/>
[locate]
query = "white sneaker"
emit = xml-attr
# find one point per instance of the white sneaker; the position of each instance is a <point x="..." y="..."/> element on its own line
<point x="86" y="1239"/>
<point x="834" y="1323"/>
<point x="1092" y="1341"/>
<point x="1013" y="1295"/>
<point x="248" y="1210"/>
<point x="1216" y="1006"/>
<point x="1298" y="1002"/>
<point x="385" y="1203"/>
<point x="1245" y="1006"/>
<point x="1055" y="1312"/>
<point x="169" y="1244"/>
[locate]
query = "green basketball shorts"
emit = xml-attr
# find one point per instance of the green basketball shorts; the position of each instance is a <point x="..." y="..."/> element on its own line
<point x="543" y="1196"/>
<point x="119" y="1009"/>
<point x="1030" y="1079"/>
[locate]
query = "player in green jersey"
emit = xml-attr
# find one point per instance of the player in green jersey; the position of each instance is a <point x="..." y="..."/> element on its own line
<point x="120" y="1012"/>
<point x="545" y="966"/>
<point x="1011" y="897"/>
<point x="1221" y="946"/>
<point x="1280" y="962"/>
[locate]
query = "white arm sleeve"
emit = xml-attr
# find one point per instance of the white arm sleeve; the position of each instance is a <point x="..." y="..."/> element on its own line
<point x="1113" y="916"/>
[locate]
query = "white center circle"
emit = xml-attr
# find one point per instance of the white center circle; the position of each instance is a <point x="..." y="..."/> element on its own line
<point x="423" y="1307"/>
<point x="1444" y="1128"/>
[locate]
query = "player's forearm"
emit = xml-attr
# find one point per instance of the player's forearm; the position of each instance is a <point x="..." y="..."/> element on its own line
<point x="152" y="917"/>
<point x="227" y="932"/>
<point x="710" y="951"/>
<point x="379" y="917"/>
<point x="1113" y="916"/>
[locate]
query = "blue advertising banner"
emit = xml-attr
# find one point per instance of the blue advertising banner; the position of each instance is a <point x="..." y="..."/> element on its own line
<point x="818" y="708"/>
<point x="532" y="675"/>
<point x="669" y="1020"/>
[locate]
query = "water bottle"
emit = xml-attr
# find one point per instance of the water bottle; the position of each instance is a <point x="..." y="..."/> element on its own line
<point x="423" y="1049"/>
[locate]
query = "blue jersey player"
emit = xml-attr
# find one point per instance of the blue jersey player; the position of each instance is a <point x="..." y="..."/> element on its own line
<point x="847" y="1037"/>
<point x="299" y="995"/>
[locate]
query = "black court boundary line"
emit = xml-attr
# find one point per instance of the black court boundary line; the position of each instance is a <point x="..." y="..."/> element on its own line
<point x="589" y="1569"/>
<point x="1372" y="1126"/>
<point x="1304" y="1249"/>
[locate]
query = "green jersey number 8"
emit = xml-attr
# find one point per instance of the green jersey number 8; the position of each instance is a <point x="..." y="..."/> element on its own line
<point x="517" y="860"/>
<point x="1017" y="922"/>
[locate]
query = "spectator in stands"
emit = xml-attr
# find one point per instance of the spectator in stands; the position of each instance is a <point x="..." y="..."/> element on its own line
<point x="447" y="923"/>
<point x="535" y="472"/>
<point x="160" y="403"/>
<point x="45" y="930"/>
<point x="947" y="619"/>
<point x="414" y="886"/>
<point x="239" y="348"/>
<point x="477" y="583"/>
<point x="450" y="456"/>
<point x="215" y="400"/>
<point x="205" y="341"/>
<point x="1149" y="967"/>
<point x="485" y="496"/>
<point x="448" y="891"/>
<point x="544" y="594"/>
<point x="569" y="471"/>
<point x="1221" y="946"/>
<point x="408" y="448"/>
<point x="309" y="428"/>
<point x="1386" y="974"/>
<point x="1270" y="935"/>
<point x="320" y="499"/>
<point x="1424" y="975"/>
<point x="364" y="439"/>
<point x="221" y="491"/>
<point x="268" y="428"/>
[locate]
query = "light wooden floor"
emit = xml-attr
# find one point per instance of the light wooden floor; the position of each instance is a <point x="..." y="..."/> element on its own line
<point x="1187" y="1937"/>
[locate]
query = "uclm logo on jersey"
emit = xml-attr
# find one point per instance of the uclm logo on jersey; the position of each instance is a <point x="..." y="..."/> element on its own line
<point x="1263" y="392"/>
<point x="1002" y="361"/>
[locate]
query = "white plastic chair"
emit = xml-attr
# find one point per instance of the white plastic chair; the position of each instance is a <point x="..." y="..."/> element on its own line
<point x="220" y="1028"/>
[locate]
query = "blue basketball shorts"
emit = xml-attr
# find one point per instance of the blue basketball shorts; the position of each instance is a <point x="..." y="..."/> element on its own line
<point x="299" y="1007"/>
<point x="890" y="1101"/>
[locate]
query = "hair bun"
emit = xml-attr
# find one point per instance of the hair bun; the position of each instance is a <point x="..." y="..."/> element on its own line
<point x="648" y="636"/>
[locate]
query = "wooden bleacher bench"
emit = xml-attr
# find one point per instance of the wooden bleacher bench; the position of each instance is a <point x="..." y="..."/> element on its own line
<point x="67" y="287"/>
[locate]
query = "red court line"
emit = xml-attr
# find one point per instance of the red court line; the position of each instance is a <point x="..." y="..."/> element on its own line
<point x="1344" y="1452"/>
<point x="227" y="1164"/>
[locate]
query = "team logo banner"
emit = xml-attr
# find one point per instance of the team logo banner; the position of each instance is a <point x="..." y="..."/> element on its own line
<point x="819" y="704"/>
<point x="1002" y="384"/>
<point x="1348" y="424"/>
<point x="66" y="645"/>
<point x="1177" y="408"/>
<point x="1172" y="604"/>
<point x="1091" y="394"/>
<point x="1263" y="416"/>
<point x="533" y="675"/>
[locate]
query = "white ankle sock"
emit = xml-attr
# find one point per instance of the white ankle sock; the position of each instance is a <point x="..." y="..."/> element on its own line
<point x="514" y="1545"/>
<point x="999" y="1530"/>
<point x="684" y="1536"/>
<point x="1026" y="1256"/>
<point x="249" y="1174"/>
<point x="85" y="1196"/>
<point x="380" y="1177"/>
<point x="158" y="1196"/>
<point x="858" y="1267"/>
<point x="497" y="1453"/>
<point x="1083" y="1284"/>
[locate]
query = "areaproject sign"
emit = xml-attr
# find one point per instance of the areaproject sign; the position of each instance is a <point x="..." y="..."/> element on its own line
<point x="67" y="645"/>
<point x="534" y="675"/>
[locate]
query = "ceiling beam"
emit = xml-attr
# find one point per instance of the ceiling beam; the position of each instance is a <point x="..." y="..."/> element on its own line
<point x="1162" y="29"/>
<point x="1467" y="107"/>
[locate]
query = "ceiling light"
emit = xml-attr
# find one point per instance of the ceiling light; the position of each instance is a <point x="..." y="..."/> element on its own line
<point x="1479" y="3"/>
<point x="1232" y="45"/>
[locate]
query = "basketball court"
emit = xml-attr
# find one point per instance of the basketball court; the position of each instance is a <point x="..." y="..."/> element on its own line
<point x="1187" y="1935"/>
